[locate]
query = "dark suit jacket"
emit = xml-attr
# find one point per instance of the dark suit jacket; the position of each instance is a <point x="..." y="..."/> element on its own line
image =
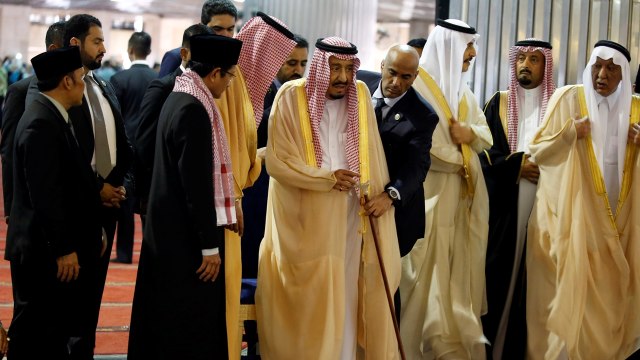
<point x="83" y="126"/>
<point x="406" y="134"/>
<point x="130" y="86"/>
<point x="55" y="208"/>
<point x="19" y="96"/>
<point x="264" y="123"/>
<point x="144" y="141"/>
<point x="13" y="108"/>
<point x="170" y="62"/>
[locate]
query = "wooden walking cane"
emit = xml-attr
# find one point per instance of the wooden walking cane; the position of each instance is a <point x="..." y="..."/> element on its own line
<point x="383" y="270"/>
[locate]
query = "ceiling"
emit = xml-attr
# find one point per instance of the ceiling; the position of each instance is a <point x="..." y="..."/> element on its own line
<point x="388" y="10"/>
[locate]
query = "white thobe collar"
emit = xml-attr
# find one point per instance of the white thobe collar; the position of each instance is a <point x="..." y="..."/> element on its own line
<point x="529" y="104"/>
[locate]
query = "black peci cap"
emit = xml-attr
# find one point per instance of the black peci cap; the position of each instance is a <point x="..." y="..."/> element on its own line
<point x="54" y="63"/>
<point x="215" y="49"/>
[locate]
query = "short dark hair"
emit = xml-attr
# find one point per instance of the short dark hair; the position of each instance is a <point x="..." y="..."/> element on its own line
<point x="418" y="42"/>
<point x="197" y="29"/>
<point x="55" y="34"/>
<point x="203" y="69"/>
<point x="141" y="43"/>
<point x="78" y="27"/>
<point x="300" y="41"/>
<point x="50" y="84"/>
<point x="211" y="8"/>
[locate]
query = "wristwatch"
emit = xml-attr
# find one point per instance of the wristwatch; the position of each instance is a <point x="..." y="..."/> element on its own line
<point x="393" y="193"/>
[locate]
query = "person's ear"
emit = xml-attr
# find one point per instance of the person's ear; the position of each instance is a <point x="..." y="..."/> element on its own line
<point x="68" y="82"/>
<point x="184" y="53"/>
<point x="217" y="73"/>
<point x="74" y="41"/>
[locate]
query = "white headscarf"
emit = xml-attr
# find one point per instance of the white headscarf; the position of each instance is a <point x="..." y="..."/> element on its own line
<point x="442" y="58"/>
<point x="622" y="107"/>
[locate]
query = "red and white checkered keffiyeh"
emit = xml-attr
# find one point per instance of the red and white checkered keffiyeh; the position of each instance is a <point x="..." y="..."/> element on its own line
<point x="316" y="89"/>
<point x="548" y="87"/>
<point x="191" y="83"/>
<point x="264" y="50"/>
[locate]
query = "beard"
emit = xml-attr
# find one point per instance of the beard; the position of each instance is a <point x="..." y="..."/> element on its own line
<point x="524" y="81"/>
<point x="91" y="63"/>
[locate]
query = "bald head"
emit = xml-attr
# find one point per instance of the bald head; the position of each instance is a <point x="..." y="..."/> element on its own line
<point x="399" y="69"/>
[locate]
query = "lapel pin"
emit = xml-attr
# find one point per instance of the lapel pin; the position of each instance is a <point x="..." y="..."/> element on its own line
<point x="397" y="117"/>
<point x="103" y="83"/>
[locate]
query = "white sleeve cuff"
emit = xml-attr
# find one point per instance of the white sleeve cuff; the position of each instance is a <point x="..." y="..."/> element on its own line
<point x="209" y="252"/>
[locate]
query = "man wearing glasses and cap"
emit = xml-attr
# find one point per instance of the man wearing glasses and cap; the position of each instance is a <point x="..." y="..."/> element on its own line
<point x="181" y="272"/>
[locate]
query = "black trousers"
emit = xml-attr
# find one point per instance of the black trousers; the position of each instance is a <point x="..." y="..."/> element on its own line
<point x="83" y="339"/>
<point x="41" y="311"/>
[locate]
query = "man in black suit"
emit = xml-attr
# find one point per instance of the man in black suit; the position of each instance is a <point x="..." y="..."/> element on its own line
<point x="99" y="129"/>
<point x="144" y="141"/>
<point x="19" y="95"/>
<point x="54" y="234"/>
<point x="219" y="15"/>
<point x="130" y="86"/>
<point x="406" y="123"/>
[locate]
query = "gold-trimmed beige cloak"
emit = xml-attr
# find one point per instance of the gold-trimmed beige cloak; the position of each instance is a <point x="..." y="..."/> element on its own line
<point x="240" y="126"/>
<point x="443" y="285"/>
<point x="582" y="262"/>
<point x="300" y="297"/>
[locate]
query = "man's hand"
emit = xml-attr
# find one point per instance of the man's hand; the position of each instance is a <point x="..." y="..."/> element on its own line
<point x="68" y="267"/>
<point x="112" y="196"/>
<point x="210" y="267"/>
<point x="583" y="127"/>
<point x="4" y="341"/>
<point x="345" y="179"/>
<point x="461" y="134"/>
<point x="238" y="227"/>
<point x="378" y="205"/>
<point x="530" y="170"/>
<point x="633" y="136"/>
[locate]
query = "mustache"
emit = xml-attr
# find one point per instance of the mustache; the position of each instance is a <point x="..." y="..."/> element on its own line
<point x="339" y="83"/>
<point x="525" y="71"/>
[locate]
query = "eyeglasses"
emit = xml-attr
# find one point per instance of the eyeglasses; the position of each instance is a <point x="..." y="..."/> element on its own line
<point x="230" y="73"/>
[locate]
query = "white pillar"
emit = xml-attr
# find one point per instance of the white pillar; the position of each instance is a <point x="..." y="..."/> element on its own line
<point x="353" y="20"/>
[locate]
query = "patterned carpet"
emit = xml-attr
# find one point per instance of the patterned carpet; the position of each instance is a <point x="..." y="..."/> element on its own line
<point x="115" y="312"/>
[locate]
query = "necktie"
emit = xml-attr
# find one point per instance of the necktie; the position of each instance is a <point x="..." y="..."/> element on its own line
<point x="378" y="109"/>
<point x="103" y="157"/>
